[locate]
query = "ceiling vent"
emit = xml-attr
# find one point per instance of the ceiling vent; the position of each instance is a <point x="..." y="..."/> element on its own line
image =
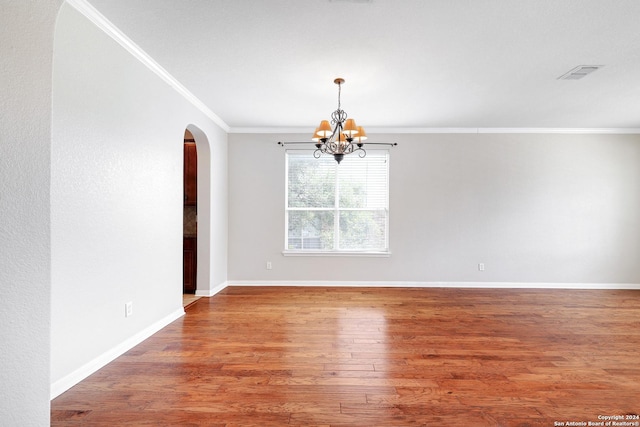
<point x="579" y="72"/>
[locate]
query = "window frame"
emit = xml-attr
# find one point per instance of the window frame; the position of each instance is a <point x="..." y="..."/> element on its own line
<point x="336" y="210"/>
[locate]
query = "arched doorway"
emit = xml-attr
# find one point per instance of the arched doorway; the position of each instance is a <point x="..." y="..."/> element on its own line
<point x="197" y="212"/>
<point x="190" y="215"/>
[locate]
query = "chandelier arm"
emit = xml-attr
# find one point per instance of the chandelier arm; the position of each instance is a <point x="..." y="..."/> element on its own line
<point x="391" y="144"/>
<point x="331" y="147"/>
<point x="349" y="148"/>
<point x="335" y="130"/>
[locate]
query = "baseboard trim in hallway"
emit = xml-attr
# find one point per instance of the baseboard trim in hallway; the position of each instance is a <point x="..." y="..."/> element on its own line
<point x="211" y="292"/>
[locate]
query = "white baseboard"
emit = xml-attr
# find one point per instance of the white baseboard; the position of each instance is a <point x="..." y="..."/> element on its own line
<point x="388" y="284"/>
<point x="211" y="292"/>
<point x="65" y="383"/>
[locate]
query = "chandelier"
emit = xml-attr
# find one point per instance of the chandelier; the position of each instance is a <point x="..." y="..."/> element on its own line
<point x="340" y="136"/>
<point x="344" y="137"/>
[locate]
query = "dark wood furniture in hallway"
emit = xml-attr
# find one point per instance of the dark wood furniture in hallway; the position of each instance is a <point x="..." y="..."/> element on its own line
<point x="278" y="356"/>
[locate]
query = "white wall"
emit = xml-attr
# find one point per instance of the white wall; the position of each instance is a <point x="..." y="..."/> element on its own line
<point x="26" y="49"/>
<point x="534" y="208"/>
<point x="212" y="211"/>
<point x="116" y="199"/>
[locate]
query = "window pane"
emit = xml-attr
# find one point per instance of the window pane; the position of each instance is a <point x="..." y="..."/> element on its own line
<point x="363" y="230"/>
<point x="311" y="181"/>
<point x="350" y="198"/>
<point x="363" y="182"/>
<point x="310" y="230"/>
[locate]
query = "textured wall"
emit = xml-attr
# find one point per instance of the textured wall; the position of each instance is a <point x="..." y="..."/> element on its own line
<point x="26" y="31"/>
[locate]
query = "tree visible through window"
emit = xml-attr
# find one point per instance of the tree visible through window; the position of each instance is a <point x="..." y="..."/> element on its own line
<point x="337" y="207"/>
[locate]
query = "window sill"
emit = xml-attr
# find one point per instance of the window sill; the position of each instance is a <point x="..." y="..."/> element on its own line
<point x="337" y="253"/>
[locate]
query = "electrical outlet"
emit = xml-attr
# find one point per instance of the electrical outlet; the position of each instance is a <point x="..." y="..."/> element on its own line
<point x="481" y="266"/>
<point x="128" y="309"/>
<point x="269" y="266"/>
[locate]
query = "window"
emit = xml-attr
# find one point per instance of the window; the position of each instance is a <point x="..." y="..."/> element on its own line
<point x="333" y="207"/>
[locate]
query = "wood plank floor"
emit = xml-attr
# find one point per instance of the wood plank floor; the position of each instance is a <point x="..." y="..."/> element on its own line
<point x="282" y="356"/>
<point x="188" y="299"/>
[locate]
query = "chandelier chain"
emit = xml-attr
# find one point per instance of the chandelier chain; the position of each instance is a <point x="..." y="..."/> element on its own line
<point x="339" y="116"/>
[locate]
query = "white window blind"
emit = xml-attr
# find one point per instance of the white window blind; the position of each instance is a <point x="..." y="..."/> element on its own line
<point x="333" y="207"/>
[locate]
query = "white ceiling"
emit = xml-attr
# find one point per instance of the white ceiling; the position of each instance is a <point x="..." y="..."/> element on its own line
<point x="407" y="63"/>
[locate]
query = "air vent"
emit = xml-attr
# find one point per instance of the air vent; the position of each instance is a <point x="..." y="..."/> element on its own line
<point x="579" y="72"/>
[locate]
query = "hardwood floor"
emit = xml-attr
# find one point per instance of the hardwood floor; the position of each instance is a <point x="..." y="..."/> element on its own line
<point x="283" y="356"/>
<point x="188" y="299"/>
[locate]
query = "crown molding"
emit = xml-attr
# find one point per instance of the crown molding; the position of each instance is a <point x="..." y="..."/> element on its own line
<point x="100" y="21"/>
<point x="562" y="130"/>
<point x="273" y="129"/>
<point x="424" y="130"/>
